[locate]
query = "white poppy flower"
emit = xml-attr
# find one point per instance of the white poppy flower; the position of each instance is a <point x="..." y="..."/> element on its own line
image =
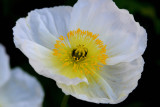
<point x="19" y="89"/>
<point x="92" y="50"/>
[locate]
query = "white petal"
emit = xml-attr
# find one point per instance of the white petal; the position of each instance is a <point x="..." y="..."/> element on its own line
<point x="36" y="35"/>
<point x="126" y="40"/>
<point x="4" y="66"/>
<point x="40" y="59"/>
<point x="22" y="90"/>
<point x="43" y="26"/>
<point x="114" y="84"/>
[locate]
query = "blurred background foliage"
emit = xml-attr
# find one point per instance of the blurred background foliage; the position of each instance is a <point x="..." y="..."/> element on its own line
<point x="146" y="12"/>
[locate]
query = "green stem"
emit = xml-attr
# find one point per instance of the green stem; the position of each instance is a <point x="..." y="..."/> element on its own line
<point x="65" y="101"/>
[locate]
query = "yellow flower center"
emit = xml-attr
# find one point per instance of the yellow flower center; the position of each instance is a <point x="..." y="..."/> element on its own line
<point x="79" y="54"/>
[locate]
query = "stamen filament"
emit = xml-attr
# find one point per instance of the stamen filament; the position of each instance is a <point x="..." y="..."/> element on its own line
<point x="80" y="52"/>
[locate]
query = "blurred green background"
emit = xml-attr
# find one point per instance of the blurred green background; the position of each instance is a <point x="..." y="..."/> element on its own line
<point x="146" y="12"/>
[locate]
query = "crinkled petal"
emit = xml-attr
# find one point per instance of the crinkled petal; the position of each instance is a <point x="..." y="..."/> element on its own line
<point x="126" y="40"/>
<point x="43" y="26"/>
<point x="4" y="66"/>
<point x="112" y="85"/>
<point x="41" y="59"/>
<point x="22" y="90"/>
<point x="36" y="35"/>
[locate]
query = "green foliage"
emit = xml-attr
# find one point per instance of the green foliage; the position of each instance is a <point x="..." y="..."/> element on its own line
<point x="70" y="2"/>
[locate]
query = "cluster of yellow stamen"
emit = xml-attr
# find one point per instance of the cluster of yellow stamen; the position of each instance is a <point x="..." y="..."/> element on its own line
<point x="79" y="53"/>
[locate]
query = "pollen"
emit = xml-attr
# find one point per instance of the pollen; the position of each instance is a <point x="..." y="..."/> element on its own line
<point x="79" y="53"/>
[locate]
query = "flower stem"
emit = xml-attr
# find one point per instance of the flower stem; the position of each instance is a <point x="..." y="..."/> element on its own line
<point x="65" y="101"/>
